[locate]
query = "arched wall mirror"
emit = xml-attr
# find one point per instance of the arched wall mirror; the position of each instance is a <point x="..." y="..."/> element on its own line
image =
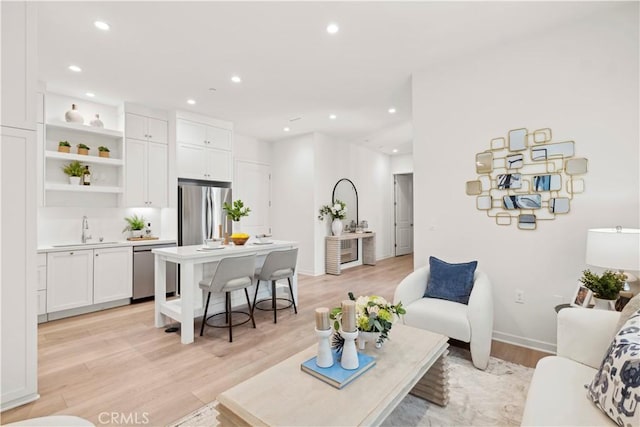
<point x="345" y="191"/>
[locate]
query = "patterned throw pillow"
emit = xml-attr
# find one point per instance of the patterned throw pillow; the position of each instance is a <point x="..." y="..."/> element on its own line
<point x="616" y="386"/>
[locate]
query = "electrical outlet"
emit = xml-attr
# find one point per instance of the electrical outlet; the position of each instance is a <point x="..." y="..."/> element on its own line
<point x="519" y="296"/>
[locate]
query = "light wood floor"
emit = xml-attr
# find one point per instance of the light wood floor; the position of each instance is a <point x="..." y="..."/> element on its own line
<point x="116" y="361"/>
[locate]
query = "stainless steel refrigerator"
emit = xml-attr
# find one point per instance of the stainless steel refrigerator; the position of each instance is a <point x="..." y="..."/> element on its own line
<point x="200" y="213"/>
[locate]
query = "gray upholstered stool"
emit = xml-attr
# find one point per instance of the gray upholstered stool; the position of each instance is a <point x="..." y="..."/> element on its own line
<point x="278" y="265"/>
<point x="232" y="274"/>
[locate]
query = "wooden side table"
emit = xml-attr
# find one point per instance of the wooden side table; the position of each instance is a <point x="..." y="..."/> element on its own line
<point x="332" y="253"/>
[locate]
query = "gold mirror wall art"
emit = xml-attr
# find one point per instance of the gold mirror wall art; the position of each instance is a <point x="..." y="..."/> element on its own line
<point x="526" y="178"/>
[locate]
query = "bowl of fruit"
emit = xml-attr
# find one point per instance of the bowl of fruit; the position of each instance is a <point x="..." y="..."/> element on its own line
<point x="239" y="239"/>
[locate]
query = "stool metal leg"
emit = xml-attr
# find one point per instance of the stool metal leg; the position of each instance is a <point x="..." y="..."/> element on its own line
<point x="255" y="297"/>
<point x="246" y="294"/>
<point x="295" y="309"/>
<point x="273" y="301"/>
<point x="204" y="318"/>
<point x="229" y="315"/>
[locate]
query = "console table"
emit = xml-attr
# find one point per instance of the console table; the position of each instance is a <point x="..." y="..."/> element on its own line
<point x="333" y="252"/>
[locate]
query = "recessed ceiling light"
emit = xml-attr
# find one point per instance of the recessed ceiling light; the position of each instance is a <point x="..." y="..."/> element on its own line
<point x="90" y="94"/>
<point x="75" y="68"/>
<point x="191" y="102"/>
<point x="236" y="79"/>
<point x="332" y="116"/>
<point x="395" y="150"/>
<point x="392" y="110"/>
<point x="286" y="129"/>
<point x="102" y="25"/>
<point x="332" y="28"/>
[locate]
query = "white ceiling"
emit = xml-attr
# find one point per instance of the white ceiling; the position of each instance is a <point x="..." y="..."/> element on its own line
<point x="160" y="54"/>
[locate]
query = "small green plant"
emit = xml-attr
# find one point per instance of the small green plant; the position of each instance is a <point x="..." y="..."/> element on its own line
<point x="64" y="144"/>
<point x="336" y="211"/>
<point x="237" y="211"/>
<point x="134" y="223"/>
<point x="606" y="286"/>
<point x="86" y="147"/>
<point x="74" y="168"/>
<point x="103" y="148"/>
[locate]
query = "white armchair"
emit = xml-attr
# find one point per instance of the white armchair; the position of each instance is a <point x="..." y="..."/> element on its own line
<point x="471" y="323"/>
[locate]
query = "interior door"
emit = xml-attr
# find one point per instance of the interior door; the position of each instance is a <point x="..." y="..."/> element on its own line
<point x="403" y="198"/>
<point x="253" y="187"/>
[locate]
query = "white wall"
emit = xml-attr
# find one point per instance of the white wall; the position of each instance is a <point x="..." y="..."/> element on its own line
<point x="402" y="163"/>
<point x="249" y="149"/>
<point x="305" y="170"/>
<point x="581" y="81"/>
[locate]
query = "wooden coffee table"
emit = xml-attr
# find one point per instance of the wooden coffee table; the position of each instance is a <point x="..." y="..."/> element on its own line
<point x="413" y="361"/>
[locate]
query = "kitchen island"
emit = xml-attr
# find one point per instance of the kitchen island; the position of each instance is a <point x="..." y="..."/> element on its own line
<point x="192" y="261"/>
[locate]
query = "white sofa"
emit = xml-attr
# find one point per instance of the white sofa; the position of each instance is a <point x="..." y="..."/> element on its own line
<point x="557" y="395"/>
<point x="472" y="323"/>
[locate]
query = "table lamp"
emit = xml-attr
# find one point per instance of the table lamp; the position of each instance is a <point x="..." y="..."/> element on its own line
<point x="614" y="248"/>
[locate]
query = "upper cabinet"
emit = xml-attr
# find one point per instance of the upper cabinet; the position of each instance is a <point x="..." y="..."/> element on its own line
<point x="19" y="58"/>
<point x="204" y="150"/>
<point x="147" y="161"/>
<point x="145" y="128"/>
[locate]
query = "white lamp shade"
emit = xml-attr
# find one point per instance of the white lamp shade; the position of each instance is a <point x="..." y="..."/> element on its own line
<point x="612" y="248"/>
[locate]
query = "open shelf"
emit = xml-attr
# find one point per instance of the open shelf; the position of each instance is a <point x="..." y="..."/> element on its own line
<point x="92" y="130"/>
<point x="82" y="188"/>
<point x="84" y="159"/>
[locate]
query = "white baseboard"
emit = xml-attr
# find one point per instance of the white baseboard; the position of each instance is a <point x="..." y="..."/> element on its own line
<point x="19" y="401"/>
<point x="524" y="342"/>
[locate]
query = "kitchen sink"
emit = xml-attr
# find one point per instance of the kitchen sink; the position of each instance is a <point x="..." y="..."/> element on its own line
<point x="82" y="244"/>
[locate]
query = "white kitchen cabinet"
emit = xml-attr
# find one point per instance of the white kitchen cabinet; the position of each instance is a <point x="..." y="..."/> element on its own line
<point x="146" y="166"/>
<point x="145" y="128"/>
<point x="201" y="134"/>
<point x="200" y="162"/>
<point x="112" y="274"/>
<point x="19" y="64"/>
<point x="204" y="151"/>
<point x="42" y="284"/>
<point x="69" y="279"/>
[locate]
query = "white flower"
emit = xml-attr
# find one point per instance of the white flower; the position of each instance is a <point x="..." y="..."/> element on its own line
<point x="337" y="207"/>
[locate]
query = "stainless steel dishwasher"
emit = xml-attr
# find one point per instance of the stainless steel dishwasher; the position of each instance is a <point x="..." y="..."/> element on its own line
<point x="143" y="272"/>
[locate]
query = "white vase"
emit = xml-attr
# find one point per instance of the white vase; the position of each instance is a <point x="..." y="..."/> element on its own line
<point x="365" y="337"/>
<point x="73" y="115"/>
<point x="96" y="122"/>
<point x="336" y="227"/>
<point x="602" y="304"/>
<point x="74" y="180"/>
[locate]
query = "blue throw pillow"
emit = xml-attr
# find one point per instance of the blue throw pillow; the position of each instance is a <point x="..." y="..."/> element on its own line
<point x="452" y="282"/>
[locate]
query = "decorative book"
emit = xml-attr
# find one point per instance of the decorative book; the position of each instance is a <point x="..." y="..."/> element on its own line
<point x="336" y="375"/>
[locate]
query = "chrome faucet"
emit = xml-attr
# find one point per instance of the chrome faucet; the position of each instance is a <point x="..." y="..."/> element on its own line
<point x="85" y="227"/>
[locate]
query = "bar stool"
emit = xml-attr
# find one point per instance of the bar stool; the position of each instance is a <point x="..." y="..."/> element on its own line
<point x="232" y="274"/>
<point x="278" y="265"/>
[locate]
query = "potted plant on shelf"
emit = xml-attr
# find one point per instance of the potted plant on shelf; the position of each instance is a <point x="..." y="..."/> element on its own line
<point x="605" y="288"/>
<point x="103" y="151"/>
<point x="337" y="212"/>
<point x="74" y="170"/>
<point x="83" y="149"/>
<point x="236" y="211"/>
<point x="64" y="147"/>
<point x="135" y="225"/>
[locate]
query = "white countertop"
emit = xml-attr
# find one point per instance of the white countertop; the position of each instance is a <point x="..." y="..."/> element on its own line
<point x="195" y="252"/>
<point x="98" y="245"/>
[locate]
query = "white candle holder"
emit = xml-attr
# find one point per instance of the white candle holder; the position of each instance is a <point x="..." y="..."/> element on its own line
<point x="325" y="356"/>
<point x="349" y="358"/>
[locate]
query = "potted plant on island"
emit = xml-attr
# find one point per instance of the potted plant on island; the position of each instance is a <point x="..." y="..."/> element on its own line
<point x="135" y="225"/>
<point x="64" y="147"/>
<point x="74" y="170"/>
<point x="337" y="212"/>
<point x="103" y="151"/>
<point x="236" y="211"/>
<point x="605" y="288"/>
<point x="83" y="149"/>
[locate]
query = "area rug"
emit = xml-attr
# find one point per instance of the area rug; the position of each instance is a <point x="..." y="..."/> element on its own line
<point x="494" y="397"/>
